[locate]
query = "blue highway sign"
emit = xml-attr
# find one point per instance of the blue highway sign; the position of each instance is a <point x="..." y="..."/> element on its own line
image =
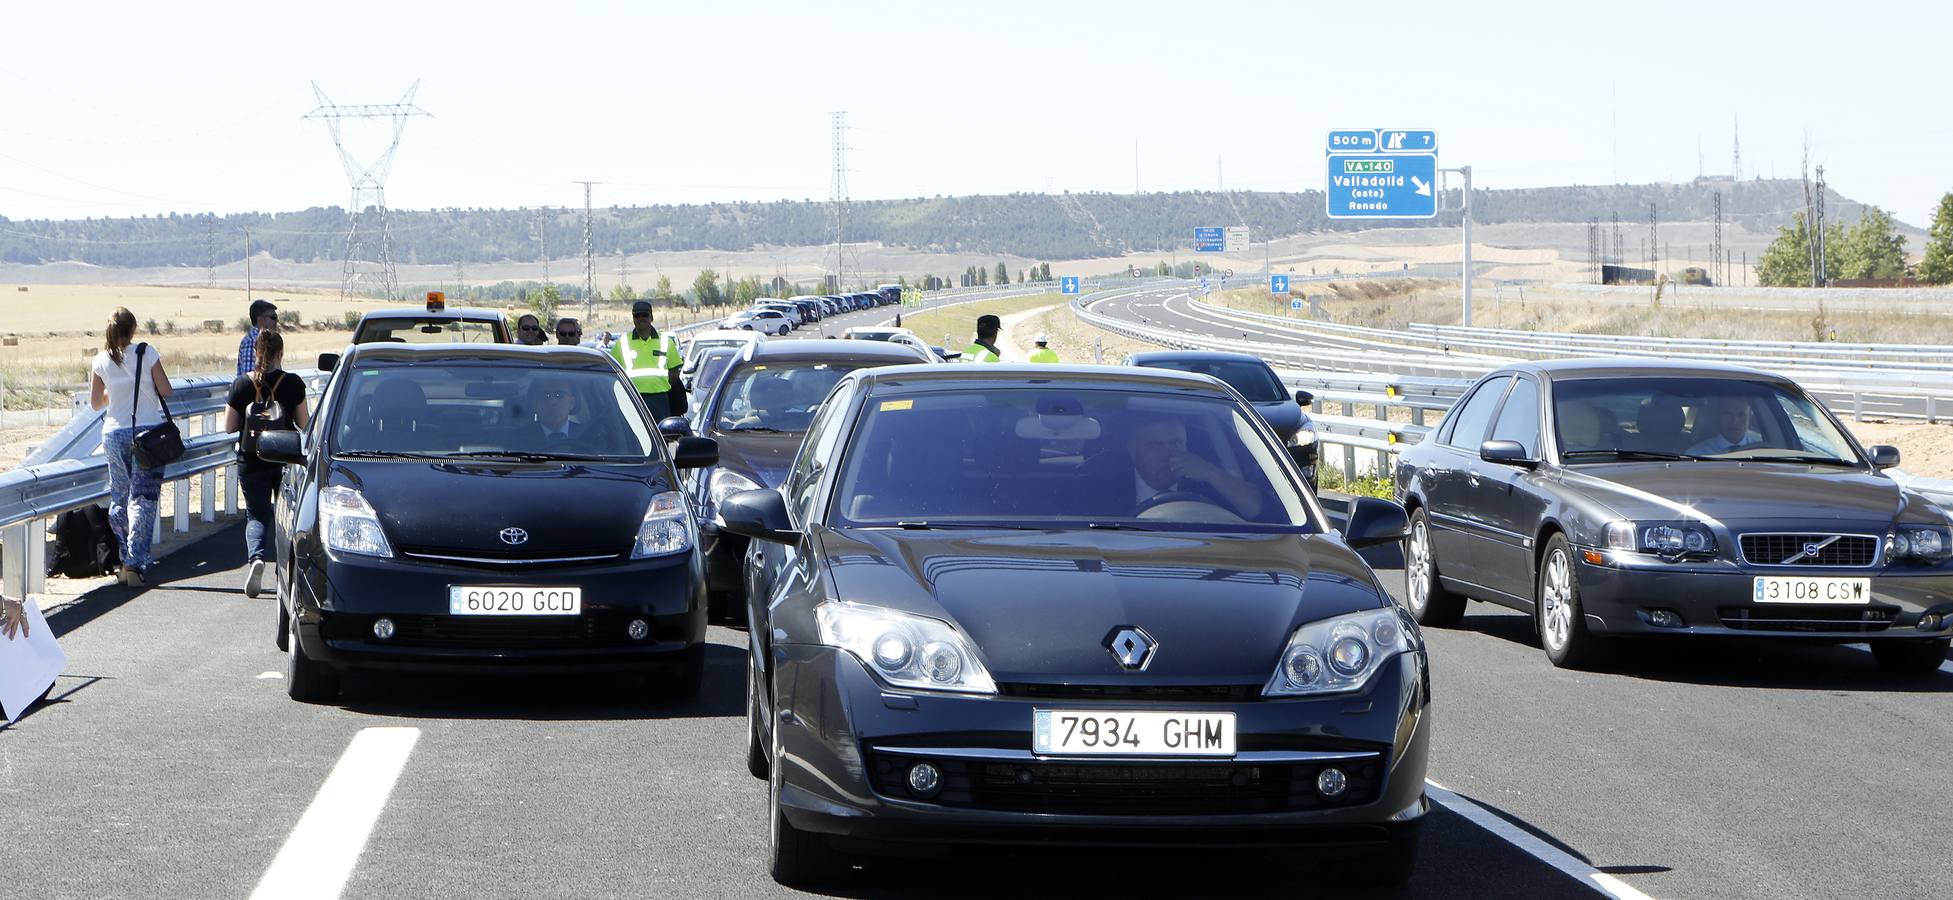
<point x="1406" y="141"/>
<point x="1068" y="284"/>
<point x="1295" y="304"/>
<point x="1353" y="140"/>
<point x="1210" y="240"/>
<point x="1278" y="284"/>
<point x="1382" y="186"/>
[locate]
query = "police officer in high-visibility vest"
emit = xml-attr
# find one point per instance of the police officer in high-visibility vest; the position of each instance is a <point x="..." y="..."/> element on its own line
<point x="1043" y="354"/>
<point x="652" y="361"/>
<point x="984" y="348"/>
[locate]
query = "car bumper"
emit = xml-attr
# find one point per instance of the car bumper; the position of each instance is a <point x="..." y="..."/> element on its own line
<point x="845" y="742"/>
<point x="337" y="604"/>
<point x="1621" y="596"/>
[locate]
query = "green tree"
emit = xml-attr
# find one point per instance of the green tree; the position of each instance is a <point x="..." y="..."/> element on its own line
<point x="1872" y="248"/>
<point x="1160" y="268"/>
<point x="1787" y="261"/>
<point x="543" y="302"/>
<point x="1937" y="267"/>
<point x="623" y="293"/>
<point x="705" y="288"/>
<point x="663" y="290"/>
<point x="1003" y="274"/>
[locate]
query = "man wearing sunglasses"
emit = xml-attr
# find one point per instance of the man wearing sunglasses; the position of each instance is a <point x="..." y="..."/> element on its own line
<point x="651" y="360"/>
<point x="569" y="332"/>
<point x="528" y="332"/>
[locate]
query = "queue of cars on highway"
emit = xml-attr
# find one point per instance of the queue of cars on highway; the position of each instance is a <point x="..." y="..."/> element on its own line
<point x="1014" y="604"/>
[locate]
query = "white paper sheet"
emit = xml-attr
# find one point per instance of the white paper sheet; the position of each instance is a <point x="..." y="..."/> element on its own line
<point x="28" y="665"/>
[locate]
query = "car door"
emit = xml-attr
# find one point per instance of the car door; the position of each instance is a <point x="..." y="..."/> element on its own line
<point x="1510" y="499"/>
<point x="1450" y="482"/>
<point x="769" y="563"/>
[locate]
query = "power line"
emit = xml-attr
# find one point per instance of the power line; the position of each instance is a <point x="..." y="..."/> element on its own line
<point x="368" y="211"/>
<point x="589" y="257"/>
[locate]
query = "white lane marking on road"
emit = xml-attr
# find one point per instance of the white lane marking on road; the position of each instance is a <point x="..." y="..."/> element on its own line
<point x="1946" y="666"/>
<point x="264" y="675"/>
<point x="319" y="855"/>
<point x="1518" y="837"/>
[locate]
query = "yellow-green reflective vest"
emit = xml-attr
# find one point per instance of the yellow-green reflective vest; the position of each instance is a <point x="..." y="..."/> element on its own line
<point x="1044" y="355"/>
<point x="978" y="353"/>
<point x="648" y="362"/>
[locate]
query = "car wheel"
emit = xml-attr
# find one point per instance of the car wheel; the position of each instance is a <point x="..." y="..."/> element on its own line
<point x="795" y="858"/>
<point x="1910" y="657"/>
<point x="1557" y="611"/>
<point x="755" y="750"/>
<point x="684" y="680"/>
<point x="1430" y="604"/>
<point x="306" y="681"/>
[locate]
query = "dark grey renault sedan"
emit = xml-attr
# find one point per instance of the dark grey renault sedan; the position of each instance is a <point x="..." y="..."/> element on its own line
<point x="1048" y="605"/>
<point x="1627" y="498"/>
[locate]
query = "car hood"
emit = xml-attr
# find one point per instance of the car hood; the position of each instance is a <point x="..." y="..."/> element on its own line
<point x="1731" y="492"/>
<point x="1040" y="605"/>
<point x="566" y="509"/>
<point x="763" y="458"/>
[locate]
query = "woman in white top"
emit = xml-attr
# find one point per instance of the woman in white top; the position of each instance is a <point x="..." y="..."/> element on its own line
<point x="133" y="490"/>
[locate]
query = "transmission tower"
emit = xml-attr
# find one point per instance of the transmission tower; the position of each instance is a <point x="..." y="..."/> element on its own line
<point x="589" y="257"/>
<point x="210" y="250"/>
<point x="1617" y="240"/>
<point x="838" y="196"/>
<point x="1654" y="239"/>
<point x="542" y="242"/>
<point x="1823" y="277"/>
<point x="1593" y="250"/>
<point x="1715" y="246"/>
<point x="367" y="214"/>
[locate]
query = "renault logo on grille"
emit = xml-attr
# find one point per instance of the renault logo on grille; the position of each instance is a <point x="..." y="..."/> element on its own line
<point x="1131" y="646"/>
<point x="514" y="536"/>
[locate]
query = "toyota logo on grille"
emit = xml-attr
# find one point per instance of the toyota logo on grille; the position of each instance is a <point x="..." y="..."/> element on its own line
<point x="514" y="536"/>
<point x="1131" y="646"/>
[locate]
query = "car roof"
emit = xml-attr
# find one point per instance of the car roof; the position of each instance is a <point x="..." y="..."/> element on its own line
<point x="1159" y="356"/>
<point x="782" y="350"/>
<point x="552" y="355"/>
<point x="462" y="313"/>
<point x="1016" y="375"/>
<point x="1618" y="367"/>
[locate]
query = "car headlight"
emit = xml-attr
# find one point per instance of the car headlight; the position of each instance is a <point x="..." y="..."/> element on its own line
<point x="667" y="527"/>
<point x="1340" y="654"/>
<point x="724" y="484"/>
<point x="906" y="650"/>
<point x="350" y="524"/>
<point x="1306" y="436"/>
<point x="1671" y="540"/>
<point x="1923" y="543"/>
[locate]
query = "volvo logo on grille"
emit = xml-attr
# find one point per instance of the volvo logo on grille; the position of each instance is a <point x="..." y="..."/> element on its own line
<point x="1812" y="550"/>
<point x="1131" y="646"/>
<point x="513" y="536"/>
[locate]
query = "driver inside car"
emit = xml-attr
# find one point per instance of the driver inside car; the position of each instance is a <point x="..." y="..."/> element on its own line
<point x="770" y="400"/>
<point x="1159" y="469"/>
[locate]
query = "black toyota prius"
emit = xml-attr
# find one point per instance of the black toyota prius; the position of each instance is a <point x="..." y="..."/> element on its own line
<point x="1092" y="605"/>
<point x="490" y="508"/>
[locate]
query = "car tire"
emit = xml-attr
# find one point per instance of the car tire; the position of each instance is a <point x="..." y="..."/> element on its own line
<point x="796" y="858"/>
<point x="684" y="680"/>
<point x="755" y="750"/>
<point x="1557" y="612"/>
<point x="1910" y="657"/>
<point x="306" y="680"/>
<point x="1424" y="592"/>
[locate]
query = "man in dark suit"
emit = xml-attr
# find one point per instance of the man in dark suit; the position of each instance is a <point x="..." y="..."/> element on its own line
<point x="554" y="399"/>
<point x="1156" y="461"/>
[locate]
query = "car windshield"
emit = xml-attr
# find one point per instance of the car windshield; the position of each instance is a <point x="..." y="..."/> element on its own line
<point x="1254" y="380"/>
<point x="404" y="330"/>
<point x="1098" y="457"/>
<point x="444" y="408"/>
<point x="774" y="397"/>
<point x="712" y="368"/>
<point x="1602" y="419"/>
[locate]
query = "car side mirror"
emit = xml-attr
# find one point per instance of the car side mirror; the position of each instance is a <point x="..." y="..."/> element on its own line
<point x="760" y="515"/>
<point x="1506" y="453"/>
<point x="1304" y="398"/>
<point x="1373" y="522"/>
<point x="328" y="362"/>
<point x="281" y="447"/>
<point x="694" y="452"/>
<point x="1884" y="456"/>
<point x="674" y="427"/>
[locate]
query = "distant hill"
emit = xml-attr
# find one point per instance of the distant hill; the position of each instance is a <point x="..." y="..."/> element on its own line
<point x="1034" y="226"/>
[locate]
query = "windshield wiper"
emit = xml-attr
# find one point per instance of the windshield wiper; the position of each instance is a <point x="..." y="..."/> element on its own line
<point x="1117" y="526"/>
<point x="1802" y="458"/>
<point x="959" y="526"/>
<point x="384" y="454"/>
<point x="1630" y="454"/>
<point x="525" y="456"/>
<point x="762" y="429"/>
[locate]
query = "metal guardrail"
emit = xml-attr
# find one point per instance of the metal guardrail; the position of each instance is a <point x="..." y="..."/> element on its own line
<point x="69" y="472"/>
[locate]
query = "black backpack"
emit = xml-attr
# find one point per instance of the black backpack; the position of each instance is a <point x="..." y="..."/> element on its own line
<point x="84" y="544"/>
<point x="264" y="414"/>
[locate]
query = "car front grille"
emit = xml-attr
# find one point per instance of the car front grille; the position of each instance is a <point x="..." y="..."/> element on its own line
<point x="584" y="632"/>
<point x="1807" y="618"/>
<point x="1113" y="788"/>
<point x="1834" y="550"/>
<point x="1172" y="693"/>
<point x="508" y="558"/>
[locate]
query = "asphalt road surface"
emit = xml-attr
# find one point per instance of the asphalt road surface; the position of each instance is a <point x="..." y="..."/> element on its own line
<point x="169" y="763"/>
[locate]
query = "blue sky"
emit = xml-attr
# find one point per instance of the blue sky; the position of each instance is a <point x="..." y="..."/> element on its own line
<point x="125" y="108"/>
